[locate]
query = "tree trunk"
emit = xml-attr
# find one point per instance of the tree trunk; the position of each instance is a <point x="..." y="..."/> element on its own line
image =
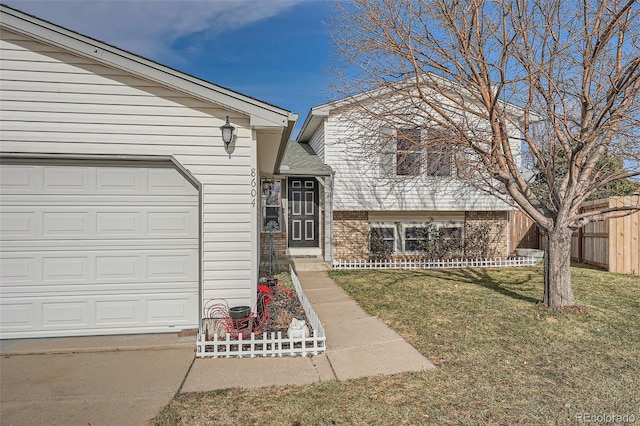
<point x="557" y="269"/>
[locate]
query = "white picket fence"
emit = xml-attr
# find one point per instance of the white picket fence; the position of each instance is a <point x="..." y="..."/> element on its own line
<point x="267" y="344"/>
<point x="435" y="264"/>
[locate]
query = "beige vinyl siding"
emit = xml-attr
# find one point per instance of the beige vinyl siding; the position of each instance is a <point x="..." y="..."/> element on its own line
<point x="317" y="142"/>
<point x="56" y="103"/>
<point x="358" y="185"/>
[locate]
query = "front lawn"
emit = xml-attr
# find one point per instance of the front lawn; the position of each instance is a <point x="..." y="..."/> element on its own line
<point x="501" y="358"/>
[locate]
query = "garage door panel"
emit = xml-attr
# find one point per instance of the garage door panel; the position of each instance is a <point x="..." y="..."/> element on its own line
<point x="67" y="269"/>
<point x="139" y="267"/>
<point x="65" y="314"/>
<point x="18" y="224"/>
<point x="97" y="222"/>
<point x="168" y="182"/>
<point x="56" y="316"/>
<point x="120" y="180"/>
<point x="65" y="223"/>
<point x="19" y="179"/>
<point x="17" y="316"/>
<point x="73" y="179"/>
<point x="18" y="270"/>
<point x="106" y="244"/>
<point x="99" y="249"/>
<point x="117" y="312"/>
<point x="65" y="180"/>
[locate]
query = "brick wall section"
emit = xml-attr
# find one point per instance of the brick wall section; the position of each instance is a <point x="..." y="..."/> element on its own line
<point x="350" y="235"/>
<point x="279" y="244"/>
<point x="499" y="228"/>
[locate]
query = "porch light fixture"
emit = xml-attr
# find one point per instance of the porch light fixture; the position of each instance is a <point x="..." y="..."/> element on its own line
<point x="227" y="132"/>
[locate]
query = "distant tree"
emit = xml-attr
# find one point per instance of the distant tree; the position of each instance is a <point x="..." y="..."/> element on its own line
<point x="559" y="78"/>
<point x="612" y="165"/>
<point x="616" y="188"/>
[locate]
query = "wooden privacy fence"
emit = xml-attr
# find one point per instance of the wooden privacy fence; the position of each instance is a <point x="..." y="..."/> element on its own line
<point x="523" y="232"/>
<point x="613" y="244"/>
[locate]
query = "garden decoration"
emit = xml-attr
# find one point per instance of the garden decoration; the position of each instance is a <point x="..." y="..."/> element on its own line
<point x="219" y="319"/>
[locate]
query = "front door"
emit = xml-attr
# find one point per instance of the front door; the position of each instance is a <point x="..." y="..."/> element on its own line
<point x="303" y="212"/>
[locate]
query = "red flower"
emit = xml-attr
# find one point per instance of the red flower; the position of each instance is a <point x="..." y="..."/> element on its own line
<point x="264" y="289"/>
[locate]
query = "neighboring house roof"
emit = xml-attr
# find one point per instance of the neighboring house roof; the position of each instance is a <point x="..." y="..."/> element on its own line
<point x="300" y="159"/>
<point x="261" y="114"/>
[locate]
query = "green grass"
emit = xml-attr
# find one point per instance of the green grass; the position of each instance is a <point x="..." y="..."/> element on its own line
<point x="501" y="358"/>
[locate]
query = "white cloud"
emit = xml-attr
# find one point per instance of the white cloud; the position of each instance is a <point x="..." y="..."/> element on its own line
<point x="151" y="27"/>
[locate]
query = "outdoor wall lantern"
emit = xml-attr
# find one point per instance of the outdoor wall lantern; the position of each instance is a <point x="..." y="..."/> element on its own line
<point x="227" y="132"/>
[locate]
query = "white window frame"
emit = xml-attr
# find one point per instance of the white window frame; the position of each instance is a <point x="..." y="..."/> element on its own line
<point x="391" y="225"/>
<point x="277" y="204"/>
<point x="403" y="234"/>
<point x="437" y="225"/>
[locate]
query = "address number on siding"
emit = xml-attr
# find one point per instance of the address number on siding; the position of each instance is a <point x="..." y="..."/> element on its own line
<point x="254" y="184"/>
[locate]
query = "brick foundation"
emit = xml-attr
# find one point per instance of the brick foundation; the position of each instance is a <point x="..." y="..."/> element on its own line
<point x="350" y="235"/>
<point x="497" y="220"/>
<point x="279" y="244"/>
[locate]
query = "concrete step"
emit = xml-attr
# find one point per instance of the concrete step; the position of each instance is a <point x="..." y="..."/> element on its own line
<point x="301" y="264"/>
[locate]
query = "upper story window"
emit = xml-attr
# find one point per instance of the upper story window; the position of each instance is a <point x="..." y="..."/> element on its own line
<point x="438" y="162"/>
<point x="408" y="152"/>
<point x="418" y="151"/>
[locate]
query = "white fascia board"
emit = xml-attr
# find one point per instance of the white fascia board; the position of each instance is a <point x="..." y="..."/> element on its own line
<point x="260" y="113"/>
<point x="312" y="122"/>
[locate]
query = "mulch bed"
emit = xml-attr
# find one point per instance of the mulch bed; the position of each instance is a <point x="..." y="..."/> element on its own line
<point x="284" y="306"/>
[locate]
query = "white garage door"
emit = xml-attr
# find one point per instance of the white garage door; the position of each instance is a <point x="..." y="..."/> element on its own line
<point x="89" y="248"/>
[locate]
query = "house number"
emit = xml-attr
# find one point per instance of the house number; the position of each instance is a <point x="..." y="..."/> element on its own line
<point x="254" y="192"/>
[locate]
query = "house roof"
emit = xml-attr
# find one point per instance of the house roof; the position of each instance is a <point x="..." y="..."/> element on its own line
<point x="317" y="114"/>
<point x="300" y="159"/>
<point x="262" y="114"/>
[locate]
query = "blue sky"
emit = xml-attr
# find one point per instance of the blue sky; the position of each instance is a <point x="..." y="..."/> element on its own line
<point x="273" y="50"/>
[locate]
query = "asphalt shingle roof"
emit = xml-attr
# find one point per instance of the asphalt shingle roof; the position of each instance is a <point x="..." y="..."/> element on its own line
<point x="300" y="159"/>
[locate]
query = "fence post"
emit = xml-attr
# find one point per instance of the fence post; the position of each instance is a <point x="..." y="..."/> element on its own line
<point x="580" y="237"/>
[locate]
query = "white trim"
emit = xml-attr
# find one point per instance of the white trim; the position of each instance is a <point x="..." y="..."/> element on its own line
<point x="254" y="176"/>
<point x="412" y="264"/>
<point x="386" y="225"/>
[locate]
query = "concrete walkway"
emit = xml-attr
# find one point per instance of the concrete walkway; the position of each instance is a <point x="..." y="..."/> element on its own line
<point x="128" y="379"/>
<point x="358" y="345"/>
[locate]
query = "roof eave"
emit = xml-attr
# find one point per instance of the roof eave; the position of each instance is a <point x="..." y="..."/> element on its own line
<point x="284" y="140"/>
<point x="312" y="122"/>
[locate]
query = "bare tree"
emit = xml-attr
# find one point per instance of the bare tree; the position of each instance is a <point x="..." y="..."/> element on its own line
<point x="554" y="81"/>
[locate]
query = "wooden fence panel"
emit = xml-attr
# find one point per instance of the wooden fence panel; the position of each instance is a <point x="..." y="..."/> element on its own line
<point x="613" y="244"/>
<point x="523" y="232"/>
<point x="624" y="239"/>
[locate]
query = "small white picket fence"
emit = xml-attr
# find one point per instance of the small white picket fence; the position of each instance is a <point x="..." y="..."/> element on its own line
<point x="435" y="264"/>
<point x="267" y="344"/>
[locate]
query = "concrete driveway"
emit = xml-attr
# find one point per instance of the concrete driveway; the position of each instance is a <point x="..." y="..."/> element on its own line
<point x="103" y="383"/>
